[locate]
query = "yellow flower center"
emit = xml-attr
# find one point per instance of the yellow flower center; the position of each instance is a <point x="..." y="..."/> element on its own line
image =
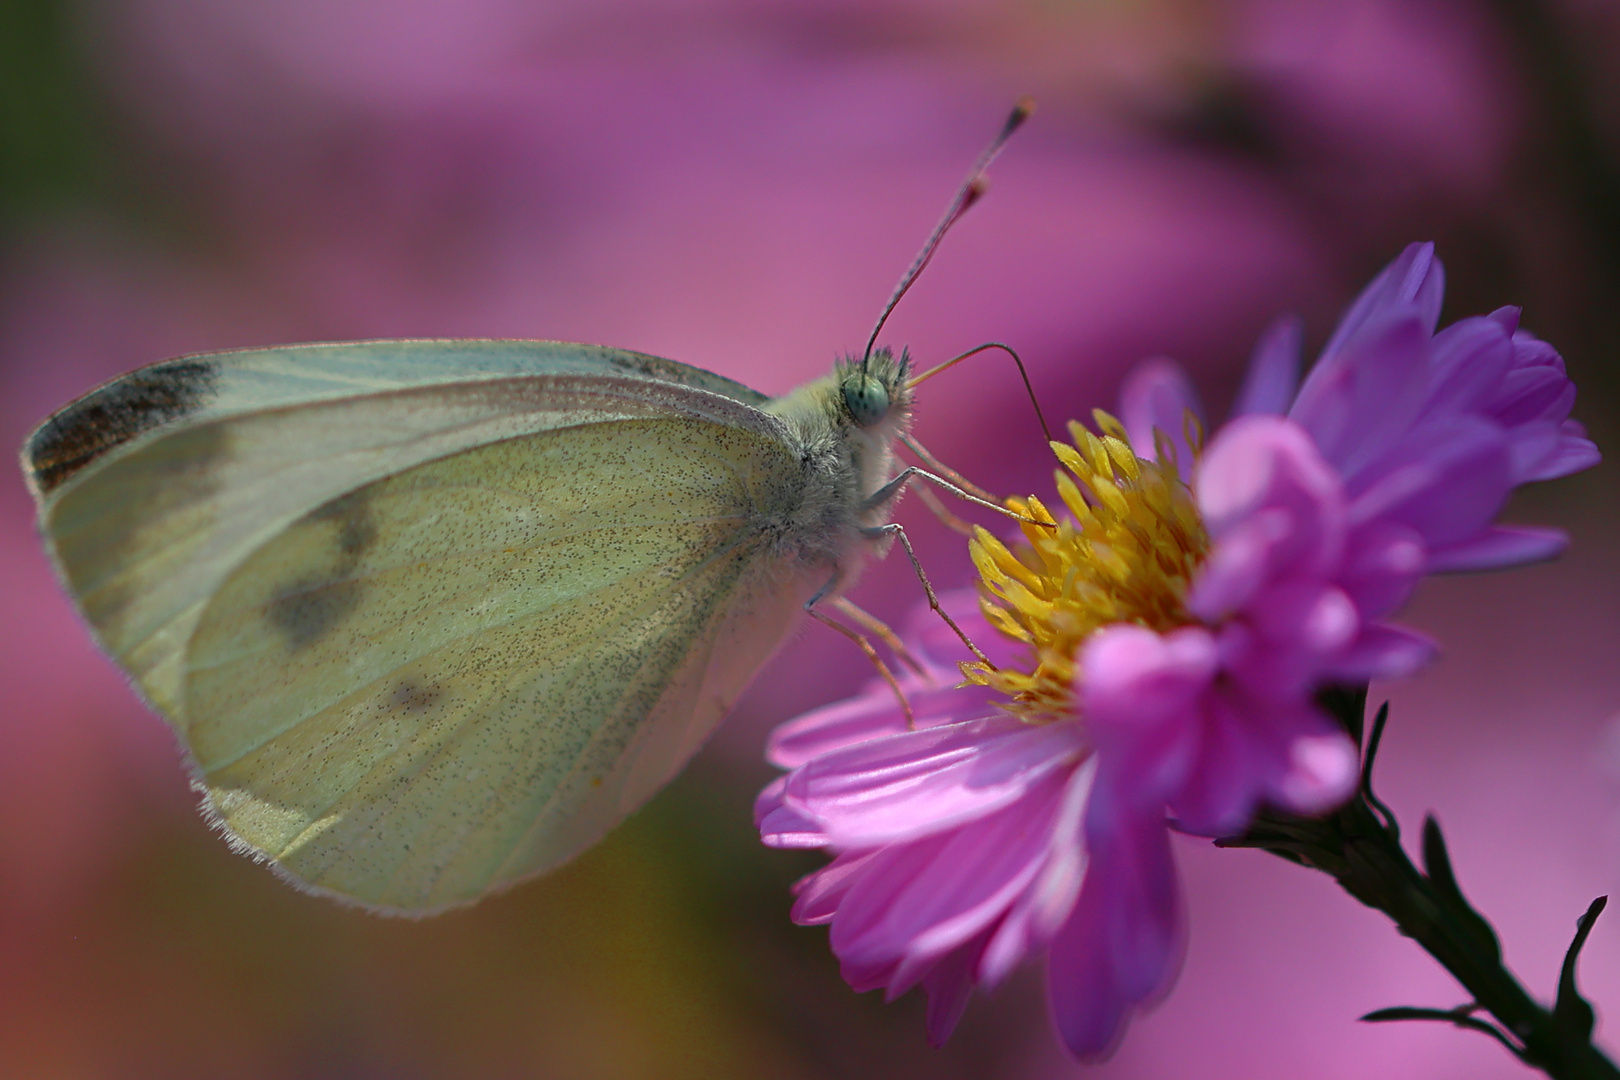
<point x="1126" y="553"/>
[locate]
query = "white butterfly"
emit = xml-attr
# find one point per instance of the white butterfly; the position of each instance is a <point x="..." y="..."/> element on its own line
<point x="429" y="617"/>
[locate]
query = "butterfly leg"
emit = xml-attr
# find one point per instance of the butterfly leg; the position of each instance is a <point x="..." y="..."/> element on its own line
<point x="881" y="630"/>
<point x="863" y="644"/>
<point x="927" y="458"/>
<point x="897" y="530"/>
<point x="888" y="492"/>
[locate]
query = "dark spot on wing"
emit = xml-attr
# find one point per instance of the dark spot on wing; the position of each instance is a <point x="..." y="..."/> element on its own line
<point x="308" y="611"/>
<point x="309" y="608"/>
<point x="412" y="698"/>
<point x="120" y="411"/>
<point x="356" y="529"/>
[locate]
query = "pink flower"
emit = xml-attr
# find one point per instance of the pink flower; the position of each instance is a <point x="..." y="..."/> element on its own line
<point x="962" y="846"/>
<point x="1155" y="655"/>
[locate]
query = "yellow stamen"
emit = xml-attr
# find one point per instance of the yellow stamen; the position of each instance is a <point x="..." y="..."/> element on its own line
<point x="1126" y="552"/>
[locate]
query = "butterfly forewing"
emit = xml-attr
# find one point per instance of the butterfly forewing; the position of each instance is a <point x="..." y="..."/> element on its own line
<point x="194" y="469"/>
<point x="425" y="642"/>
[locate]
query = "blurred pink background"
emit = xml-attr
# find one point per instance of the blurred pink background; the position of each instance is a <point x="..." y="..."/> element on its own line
<point x="737" y="184"/>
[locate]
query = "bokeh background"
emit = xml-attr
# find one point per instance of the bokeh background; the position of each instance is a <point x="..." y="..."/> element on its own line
<point x="736" y="184"/>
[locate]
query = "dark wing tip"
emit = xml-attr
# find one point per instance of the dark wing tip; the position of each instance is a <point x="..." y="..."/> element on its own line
<point x="114" y="414"/>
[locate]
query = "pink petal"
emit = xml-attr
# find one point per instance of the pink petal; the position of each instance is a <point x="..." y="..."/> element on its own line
<point x="875" y="713"/>
<point x="1271" y="504"/>
<point x="1132" y="677"/>
<point x="1304" y="615"/>
<point x="1046" y="903"/>
<point x="1322" y="772"/>
<point x="1259" y="461"/>
<point x="1234" y="763"/>
<point x="819" y="894"/>
<point x="1239" y="563"/>
<point x="1140" y="694"/>
<point x="1156" y="397"/>
<point x="784" y="827"/>
<point x="916" y="901"/>
<point x="901" y="787"/>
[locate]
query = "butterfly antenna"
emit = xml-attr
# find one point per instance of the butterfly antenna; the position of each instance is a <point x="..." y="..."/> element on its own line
<point x="968" y="194"/>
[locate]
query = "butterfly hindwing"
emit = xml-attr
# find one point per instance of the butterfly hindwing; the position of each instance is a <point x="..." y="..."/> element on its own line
<point x="455" y="677"/>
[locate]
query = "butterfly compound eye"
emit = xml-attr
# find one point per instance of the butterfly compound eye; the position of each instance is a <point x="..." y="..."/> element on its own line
<point x="866" y="398"/>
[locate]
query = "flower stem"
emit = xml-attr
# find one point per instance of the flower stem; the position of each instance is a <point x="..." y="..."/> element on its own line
<point x="1359" y="846"/>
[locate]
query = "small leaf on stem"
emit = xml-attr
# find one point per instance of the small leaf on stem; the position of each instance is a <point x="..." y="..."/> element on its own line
<point x="1461" y="1017"/>
<point x="1573" y="1013"/>
<point x="1437" y="865"/>
<point x="1386" y="816"/>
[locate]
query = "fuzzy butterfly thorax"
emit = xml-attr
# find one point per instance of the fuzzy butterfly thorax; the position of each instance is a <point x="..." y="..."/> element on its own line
<point x="843" y="427"/>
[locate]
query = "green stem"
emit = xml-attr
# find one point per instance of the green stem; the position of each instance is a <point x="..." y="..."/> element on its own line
<point x="1362" y="851"/>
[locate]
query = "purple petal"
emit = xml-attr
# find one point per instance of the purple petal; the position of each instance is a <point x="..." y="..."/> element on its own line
<point x="1499" y="547"/>
<point x="1414" y="282"/>
<point x="1450" y="479"/>
<point x="901" y="787"/>
<point x="1383" y="651"/>
<point x="1382" y="565"/>
<point x="1468" y="361"/>
<point x="1508" y="317"/>
<point x="1273" y="376"/>
<point x="1156" y="398"/>
<point x="1531" y="448"/>
<point x="948" y="986"/>
<point x="1122" y="947"/>
<point x="1574" y="454"/>
<point x="1532" y="392"/>
<point x="1358" y="402"/>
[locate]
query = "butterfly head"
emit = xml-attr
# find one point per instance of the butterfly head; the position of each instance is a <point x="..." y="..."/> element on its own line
<point x="874" y="391"/>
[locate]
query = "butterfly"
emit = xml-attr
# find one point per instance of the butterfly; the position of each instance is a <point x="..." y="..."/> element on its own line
<point x="429" y="617"/>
